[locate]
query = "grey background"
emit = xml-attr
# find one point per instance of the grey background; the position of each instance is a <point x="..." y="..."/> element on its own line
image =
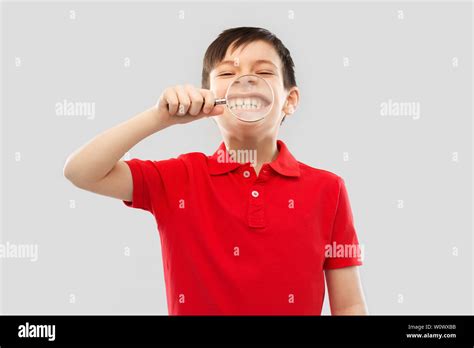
<point x="408" y="251"/>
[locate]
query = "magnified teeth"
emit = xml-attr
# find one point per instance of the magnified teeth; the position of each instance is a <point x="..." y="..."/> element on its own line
<point x="246" y="103"/>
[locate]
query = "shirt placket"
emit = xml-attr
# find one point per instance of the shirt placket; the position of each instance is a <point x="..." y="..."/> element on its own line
<point x="256" y="197"/>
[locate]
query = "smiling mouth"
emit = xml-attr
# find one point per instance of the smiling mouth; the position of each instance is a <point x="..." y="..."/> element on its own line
<point x="247" y="102"/>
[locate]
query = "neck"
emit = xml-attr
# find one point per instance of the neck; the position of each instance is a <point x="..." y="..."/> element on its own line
<point x="260" y="151"/>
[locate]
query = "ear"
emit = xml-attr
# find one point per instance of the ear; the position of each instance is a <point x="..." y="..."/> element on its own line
<point x="292" y="101"/>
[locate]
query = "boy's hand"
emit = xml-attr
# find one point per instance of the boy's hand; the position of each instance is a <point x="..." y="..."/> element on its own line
<point x="183" y="104"/>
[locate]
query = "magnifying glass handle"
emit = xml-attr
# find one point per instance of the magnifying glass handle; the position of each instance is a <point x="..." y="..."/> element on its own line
<point x="220" y="101"/>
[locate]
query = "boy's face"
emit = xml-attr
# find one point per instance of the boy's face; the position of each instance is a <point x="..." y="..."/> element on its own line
<point x="261" y="59"/>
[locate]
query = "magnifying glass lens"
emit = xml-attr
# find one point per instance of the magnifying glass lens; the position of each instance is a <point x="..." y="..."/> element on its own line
<point x="249" y="98"/>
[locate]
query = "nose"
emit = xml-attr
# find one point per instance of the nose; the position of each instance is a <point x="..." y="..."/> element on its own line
<point x="251" y="79"/>
<point x="247" y="81"/>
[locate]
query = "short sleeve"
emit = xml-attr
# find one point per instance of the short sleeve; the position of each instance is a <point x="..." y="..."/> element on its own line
<point x="344" y="249"/>
<point x="153" y="183"/>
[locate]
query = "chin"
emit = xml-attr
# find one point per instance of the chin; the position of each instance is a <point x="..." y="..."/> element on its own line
<point x="232" y="125"/>
<point x="248" y="130"/>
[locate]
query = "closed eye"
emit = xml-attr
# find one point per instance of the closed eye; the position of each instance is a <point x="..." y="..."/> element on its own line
<point x="226" y="74"/>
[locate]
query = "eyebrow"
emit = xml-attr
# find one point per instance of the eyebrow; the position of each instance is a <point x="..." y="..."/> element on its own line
<point x="258" y="61"/>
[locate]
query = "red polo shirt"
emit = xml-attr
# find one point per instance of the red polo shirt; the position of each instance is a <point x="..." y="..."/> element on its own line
<point x="237" y="244"/>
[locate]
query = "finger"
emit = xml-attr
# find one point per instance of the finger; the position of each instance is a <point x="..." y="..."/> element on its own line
<point x="196" y="100"/>
<point x="216" y="110"/>
<point x="209" y="100"/>
<point x="183" y="100"/>
<point x="171" y="98"/>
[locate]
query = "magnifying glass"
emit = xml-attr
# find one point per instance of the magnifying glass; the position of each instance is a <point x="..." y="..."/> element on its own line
<point x="249" y="98"/>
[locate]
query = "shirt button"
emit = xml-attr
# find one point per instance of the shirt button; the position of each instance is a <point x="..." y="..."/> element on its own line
<point x="255" y="194"/>
<point x="246" y="174"/>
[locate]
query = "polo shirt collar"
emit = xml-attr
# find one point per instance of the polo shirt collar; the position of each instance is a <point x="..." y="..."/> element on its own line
<point x="285" y="164"/>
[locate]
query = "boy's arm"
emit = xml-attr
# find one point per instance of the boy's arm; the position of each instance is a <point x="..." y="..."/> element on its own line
<point x="96" y="166"/>
<point x="345" y="291"/>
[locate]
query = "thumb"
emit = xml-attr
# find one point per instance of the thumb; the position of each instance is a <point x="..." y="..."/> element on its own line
<point x="216" y="110"/>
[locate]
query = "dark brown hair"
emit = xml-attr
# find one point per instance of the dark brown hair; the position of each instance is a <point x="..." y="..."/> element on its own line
<point x="216" y="51"/>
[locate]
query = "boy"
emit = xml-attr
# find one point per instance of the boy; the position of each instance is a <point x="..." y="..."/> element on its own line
<point x="237" y="237"/>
